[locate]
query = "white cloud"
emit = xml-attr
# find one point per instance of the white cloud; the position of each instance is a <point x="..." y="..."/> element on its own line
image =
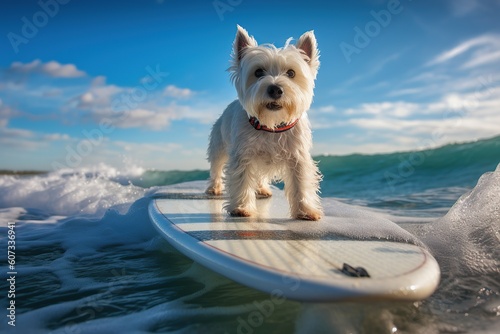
<point x="406" y="91"/>
<point x="394" y="109"/>
<point x="464" y="68"/>
<point x="483" y="45"/>
<point x="6" y="112"/>
<point x="442" y="85"/>
<point x="396" y="126"/>
<point x="157" y="117"/>
<point x="140" y="106"/>
<point x="428" y="76"/>
<point x="51" y="68"/>
<point x="55" y="69"/>
<point x="23" y="138"/>
<point x="147" y="106"/>
<point x="143" y="118"/>
<point x="17" y="138"/>
<point x="328" y="109"/>
<point x="13" y="133"/>
<point x="178" y="93"/>
<point x="56" y="137"/>
<point x="483" y="58"/>
<point x="148" y="148"/>
<point x="17" y="66"/>
<point x="99" y="80"/>
<point x="98" y="96"/>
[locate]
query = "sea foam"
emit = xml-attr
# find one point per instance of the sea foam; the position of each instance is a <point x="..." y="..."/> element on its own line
<point x="467" y="238"/>
<point x="70" y="192"/>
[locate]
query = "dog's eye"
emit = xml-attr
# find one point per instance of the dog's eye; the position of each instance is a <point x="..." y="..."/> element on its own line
<point x="290" y="73"/>
<point x="259" y="73"/>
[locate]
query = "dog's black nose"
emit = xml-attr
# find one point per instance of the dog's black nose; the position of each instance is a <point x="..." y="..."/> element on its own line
<point x="274" y="91"/>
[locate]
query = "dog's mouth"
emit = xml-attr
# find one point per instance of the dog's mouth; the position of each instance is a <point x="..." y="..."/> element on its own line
<point x="274" y="106"/>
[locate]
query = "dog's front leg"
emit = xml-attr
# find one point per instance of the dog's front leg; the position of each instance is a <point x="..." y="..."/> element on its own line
<point x="302" y="188"/>
<point x="241" y="186"/>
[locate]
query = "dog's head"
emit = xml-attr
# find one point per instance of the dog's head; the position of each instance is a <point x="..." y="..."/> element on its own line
<point x="275" y="85"/>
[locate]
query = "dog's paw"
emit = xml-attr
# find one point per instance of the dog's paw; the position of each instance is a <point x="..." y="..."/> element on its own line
<point x="240" y="213"/>
<point x="309" y="215"/>
<point x="214" y="191"/>
<point x="264" y="192"/>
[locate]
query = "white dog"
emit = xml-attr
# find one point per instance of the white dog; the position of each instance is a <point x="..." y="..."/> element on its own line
<point x="265" y="135"/>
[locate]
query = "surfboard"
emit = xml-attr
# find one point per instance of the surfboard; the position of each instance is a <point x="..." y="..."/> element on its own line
<point x="350" y="254"/>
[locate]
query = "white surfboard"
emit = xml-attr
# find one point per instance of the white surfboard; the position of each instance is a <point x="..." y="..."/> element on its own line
<point x="350" y="254"/>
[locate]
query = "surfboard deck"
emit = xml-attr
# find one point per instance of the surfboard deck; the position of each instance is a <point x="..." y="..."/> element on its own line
<point x="300" y="260"/>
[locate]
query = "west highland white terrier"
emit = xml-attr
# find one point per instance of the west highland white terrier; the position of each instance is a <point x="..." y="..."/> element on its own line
<point x="265" y="134"/>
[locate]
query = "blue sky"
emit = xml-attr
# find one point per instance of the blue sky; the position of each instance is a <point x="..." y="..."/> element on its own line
<point x="140" y="82"/>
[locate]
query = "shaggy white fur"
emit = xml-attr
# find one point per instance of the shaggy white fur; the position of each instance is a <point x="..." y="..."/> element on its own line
<point x="274" y="85"/>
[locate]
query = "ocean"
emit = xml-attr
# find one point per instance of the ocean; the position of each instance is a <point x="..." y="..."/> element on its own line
<point x="79" y="254"/>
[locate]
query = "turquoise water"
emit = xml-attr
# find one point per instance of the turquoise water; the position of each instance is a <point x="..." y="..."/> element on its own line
<point x="87" y="259"/>
<point x="421" y="179"/>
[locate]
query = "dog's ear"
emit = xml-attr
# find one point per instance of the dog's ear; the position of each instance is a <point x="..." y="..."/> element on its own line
<point x="241" y="42"/>
<point x="308" y="45"/>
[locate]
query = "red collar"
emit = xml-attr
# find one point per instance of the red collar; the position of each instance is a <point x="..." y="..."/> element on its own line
<point x="280" y="128"/>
